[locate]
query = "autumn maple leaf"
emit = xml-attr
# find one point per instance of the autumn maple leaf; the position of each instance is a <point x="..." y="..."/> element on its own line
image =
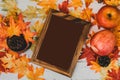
<point x="3" y="32"/>
<point x="112" y="2"/>
<point x="113" y="74"/>
<point x="115" y="54"/>
<point x="64" y="7"/>
<point x="21" y="65"/>
<point x="75" y="4"/>
<point x="86" y="14"/>
<point x="89" y="55"/>
<point x="20" y="23"/>
<point x="8" y="61"/>
<point x="48" y="4"/>
<point x="29" y="35"/>
<point x="34" y="74"/>
<point x="13" y="29"/>
<point x="88" y="2"/>
<point x="37" y="27"/>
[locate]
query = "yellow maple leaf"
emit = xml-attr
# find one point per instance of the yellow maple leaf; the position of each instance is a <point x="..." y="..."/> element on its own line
<point x="75" y="3"/>
<point x="86" y="14"/>
<point x="75" y="13"/>
<point x="34" y="74"/>
<point x="8" y="61"/>
<point x="21" y="65"/>
<point x="29" y="35"/>
<point x="13" y="29"/>
<point x="37" y="27"/>
<point x="95" y="66"/>
<point x="112" y="2"/>
<point x="48" y="4"/>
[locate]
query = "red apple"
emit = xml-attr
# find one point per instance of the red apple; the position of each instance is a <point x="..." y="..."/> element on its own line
<point x="103" y="42"/>
<point x="108" y="17"/>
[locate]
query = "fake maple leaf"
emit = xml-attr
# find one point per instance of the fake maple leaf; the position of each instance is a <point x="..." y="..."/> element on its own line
<point x="21" y="65"/>
<point x="113" y="74"/>
<point x="3" y="32"/>
<point x="95" y="66"/>
<point x="48" y="4"/>
<point x="88" y="2"/>
<point x="86" y="14"/>
<point x="37" y="27"/>
<point x="11" y="7"/>
<point x="13" y="29"/>
<point x="9" y="4"/>
<point x="3" y="44"/>
<point x="75" y="13"/>
<point x="115" y="54"/>
<point x="20" y="23"/>
<point x="112" y="2"/>
<point x="75" y="4"/>
<point x="64" y="7"/>
<point x="8" y="61"/>
<point x="29" y="35"/>
<point x="89" y="55"/>
<point x="34" y="74"/>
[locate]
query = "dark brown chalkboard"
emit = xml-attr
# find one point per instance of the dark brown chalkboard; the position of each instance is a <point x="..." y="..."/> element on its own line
<point x="60" y="43"/>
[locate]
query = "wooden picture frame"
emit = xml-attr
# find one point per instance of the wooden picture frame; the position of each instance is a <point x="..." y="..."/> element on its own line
<point x="40" y="57"/>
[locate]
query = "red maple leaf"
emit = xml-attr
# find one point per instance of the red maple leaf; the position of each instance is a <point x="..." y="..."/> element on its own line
<point x="64" y="7"/>
<point x="115" y="54"/>
<point x="89" y="55"/>
<point x="114" y="75"/>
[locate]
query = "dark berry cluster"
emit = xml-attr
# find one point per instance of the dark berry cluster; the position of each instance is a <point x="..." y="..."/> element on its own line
<point x="103" y="61"/>
<point x="17" y="43"/>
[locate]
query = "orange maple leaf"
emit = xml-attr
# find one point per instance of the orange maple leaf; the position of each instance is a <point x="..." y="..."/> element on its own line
<point x="8" y="61"/>
<point x="86" y="14"/>
<point x="3" y="44"/>
<point x="112" y="2"/>
<point x="34" y="74"/>
<point x="88" y="2"/>
<point x="48" y="4"/>
<point x="3" y="32"/>
<point x="13" y="29"/>
<point x="29" y="35"/>
<point x="23" y="25"/>
<point x="75" y="3"/>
